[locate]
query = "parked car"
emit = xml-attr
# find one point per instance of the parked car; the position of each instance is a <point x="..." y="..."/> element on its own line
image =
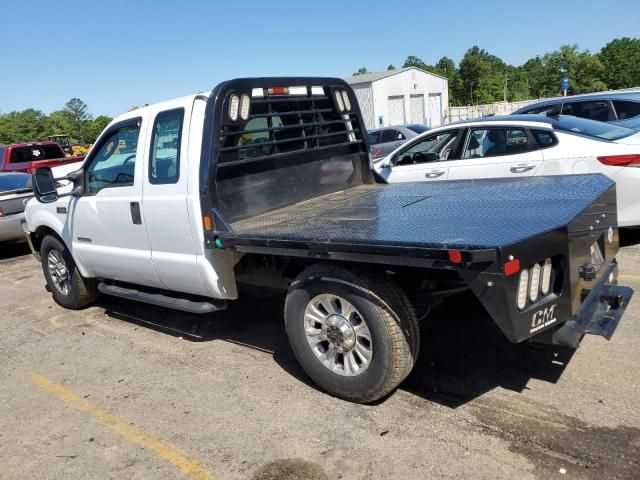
<point x="26" y="157"/>
<point x="384" y="140"/>
<point x="523" y="145"/>
<point x="263" y="183"/>
<point x="15" y="192"/>
<point x="621" y="108"/>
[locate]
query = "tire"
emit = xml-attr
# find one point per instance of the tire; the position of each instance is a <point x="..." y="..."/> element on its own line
<point x="79" y="291"/>
<point x="376" y="362"/>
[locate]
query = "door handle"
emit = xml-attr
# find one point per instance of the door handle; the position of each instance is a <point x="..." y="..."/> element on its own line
<point x="136" y="217"/>
<point x="434" y="173"/>
<point x="522" y="168"/>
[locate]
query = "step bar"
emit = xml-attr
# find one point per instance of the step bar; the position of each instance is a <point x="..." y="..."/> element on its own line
<point x="161" y="300"/>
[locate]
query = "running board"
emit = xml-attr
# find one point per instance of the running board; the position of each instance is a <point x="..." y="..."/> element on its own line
<point x="161" y="300"/>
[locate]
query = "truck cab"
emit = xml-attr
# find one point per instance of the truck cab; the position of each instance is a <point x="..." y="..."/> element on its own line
<point x="268" y="181"/>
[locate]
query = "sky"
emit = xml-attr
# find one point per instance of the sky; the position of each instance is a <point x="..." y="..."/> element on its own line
<point x="117" y="54"/>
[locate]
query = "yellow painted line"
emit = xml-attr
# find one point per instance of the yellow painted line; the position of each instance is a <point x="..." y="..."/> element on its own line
<point x="629" y="277"/>
<point x="175" y="457"/>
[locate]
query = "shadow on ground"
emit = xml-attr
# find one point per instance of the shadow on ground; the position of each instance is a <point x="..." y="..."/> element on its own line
<point x="463" y="354"/>
<point x="12" y="250"/>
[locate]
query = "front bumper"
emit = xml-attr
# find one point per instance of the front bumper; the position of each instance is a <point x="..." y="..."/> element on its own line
<point x="600" y="312"/>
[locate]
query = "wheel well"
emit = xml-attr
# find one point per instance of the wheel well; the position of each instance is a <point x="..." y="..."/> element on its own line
<point x="40" y="233"/>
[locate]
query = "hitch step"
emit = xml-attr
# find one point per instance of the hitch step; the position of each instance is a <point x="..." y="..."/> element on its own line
<point x="161" y="300"/>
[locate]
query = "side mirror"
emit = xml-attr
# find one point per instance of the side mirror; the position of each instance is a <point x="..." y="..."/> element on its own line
<point x="44" y="185"/>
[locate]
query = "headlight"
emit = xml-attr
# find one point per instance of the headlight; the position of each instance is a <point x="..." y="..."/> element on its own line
<point x="546" y="276"/>
<point x="534" y="286"/>
<point x="523" y="283"/>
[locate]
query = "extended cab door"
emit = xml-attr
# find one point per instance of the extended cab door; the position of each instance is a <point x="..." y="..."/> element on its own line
<point x="106" y="221"/>
<point x="493" y="152"/>
<point x="165" y="198"/>
<point x="426" y="159"/>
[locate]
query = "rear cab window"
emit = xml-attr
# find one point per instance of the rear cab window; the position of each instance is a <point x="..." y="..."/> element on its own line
<point x="164" y="161"/>
<point x="34" y="153"/>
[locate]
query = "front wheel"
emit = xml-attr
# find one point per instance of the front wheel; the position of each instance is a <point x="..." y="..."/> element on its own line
<point x="356" y="335"/>
<point x="68" y="287"/>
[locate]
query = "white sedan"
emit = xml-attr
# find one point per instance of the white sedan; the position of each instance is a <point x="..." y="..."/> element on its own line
<point x="522" y="145"/>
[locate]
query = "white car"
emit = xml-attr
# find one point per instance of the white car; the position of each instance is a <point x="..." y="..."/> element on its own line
<point x="523" y="145"/>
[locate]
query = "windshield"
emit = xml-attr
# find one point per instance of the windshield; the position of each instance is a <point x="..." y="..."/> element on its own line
<point x="14" y="181"/>
<point x="417" y="128"/>
<point x="591" y="128"/>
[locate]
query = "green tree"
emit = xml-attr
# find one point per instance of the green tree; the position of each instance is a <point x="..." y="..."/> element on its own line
<point x="413" y="61"/>
<point x="97" y="126"/>
<point x="585" y="71"/>
<point x="59" y="123"/>
<point x="621" y="61"/>
<point x="483" y="76"/>
<point x="26" y="126"/>
<point x="80" y="118"/>
<point x="361" y="71"/>
<point x="447" y="68"/>
<point x="391" y="67"/>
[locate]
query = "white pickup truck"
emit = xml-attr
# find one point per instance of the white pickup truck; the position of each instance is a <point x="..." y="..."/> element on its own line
<point x="268" y="181"/>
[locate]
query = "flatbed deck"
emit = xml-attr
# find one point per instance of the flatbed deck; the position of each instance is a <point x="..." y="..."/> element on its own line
<point x="418" y="219"/>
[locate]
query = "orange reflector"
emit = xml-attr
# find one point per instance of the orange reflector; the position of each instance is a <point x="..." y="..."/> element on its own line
<point x="455" y="256"/>
<point x="511" y="267"/>
<point x="206" y="220"/>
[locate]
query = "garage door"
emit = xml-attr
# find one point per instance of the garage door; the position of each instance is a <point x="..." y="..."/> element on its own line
<point x="396" y="110"/>
<point x="435" y="109"/>
<point x="416" y="105"/>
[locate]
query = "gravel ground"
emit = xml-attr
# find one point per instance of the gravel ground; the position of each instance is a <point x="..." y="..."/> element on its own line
<point x="123" y="390"/>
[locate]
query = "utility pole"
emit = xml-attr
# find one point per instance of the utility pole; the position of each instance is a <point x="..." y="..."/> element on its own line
<point x="506" y="81"/>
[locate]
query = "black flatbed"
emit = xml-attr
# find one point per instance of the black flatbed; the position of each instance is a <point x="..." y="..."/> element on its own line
<point x="422" y="219"/>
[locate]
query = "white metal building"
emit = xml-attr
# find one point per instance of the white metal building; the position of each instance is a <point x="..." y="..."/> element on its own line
<point x="401" y="96"/>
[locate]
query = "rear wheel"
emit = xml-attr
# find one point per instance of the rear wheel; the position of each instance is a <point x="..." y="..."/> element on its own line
<point x="356" y="335"/>
<point x="68" y="287"/>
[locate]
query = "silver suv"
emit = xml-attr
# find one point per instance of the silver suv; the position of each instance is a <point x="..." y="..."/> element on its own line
<point x="622" y="108"/>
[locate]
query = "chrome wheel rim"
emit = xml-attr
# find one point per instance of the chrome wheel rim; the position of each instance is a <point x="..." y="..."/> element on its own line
<point x="338" y="335"/>
<point x="58" y="272"/>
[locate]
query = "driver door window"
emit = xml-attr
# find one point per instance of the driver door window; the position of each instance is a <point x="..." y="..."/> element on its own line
<point x="433" y="148"/>
<point x="113" y="165"/>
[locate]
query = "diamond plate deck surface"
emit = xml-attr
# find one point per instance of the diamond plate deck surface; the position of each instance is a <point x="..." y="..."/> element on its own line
<point x="466" y="214"/>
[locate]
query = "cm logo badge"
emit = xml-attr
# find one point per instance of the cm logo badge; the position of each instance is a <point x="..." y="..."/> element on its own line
<point x="543" y="318"/>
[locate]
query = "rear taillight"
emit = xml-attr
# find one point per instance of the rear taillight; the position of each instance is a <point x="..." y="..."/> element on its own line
<point x="1" y="212"/>
<point x="620" y="160"/>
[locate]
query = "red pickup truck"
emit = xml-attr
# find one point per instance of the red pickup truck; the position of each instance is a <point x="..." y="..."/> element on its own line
<point x="26" y="157"/>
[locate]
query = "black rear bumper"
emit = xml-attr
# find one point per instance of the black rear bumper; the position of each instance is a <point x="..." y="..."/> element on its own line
<point x="599" y="314"/>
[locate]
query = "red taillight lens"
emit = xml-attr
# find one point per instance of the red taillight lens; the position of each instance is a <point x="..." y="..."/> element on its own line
<point x="511" y="267"/>
<point x="279" y="91"/>
<point x="455" y="256"/>
<point x="620" y="160"/>
<point x="1" y="212"/>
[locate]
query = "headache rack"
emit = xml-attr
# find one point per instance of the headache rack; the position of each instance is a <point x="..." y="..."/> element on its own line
<point x="273" y="142"/>
<point x="297" y="119"/>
